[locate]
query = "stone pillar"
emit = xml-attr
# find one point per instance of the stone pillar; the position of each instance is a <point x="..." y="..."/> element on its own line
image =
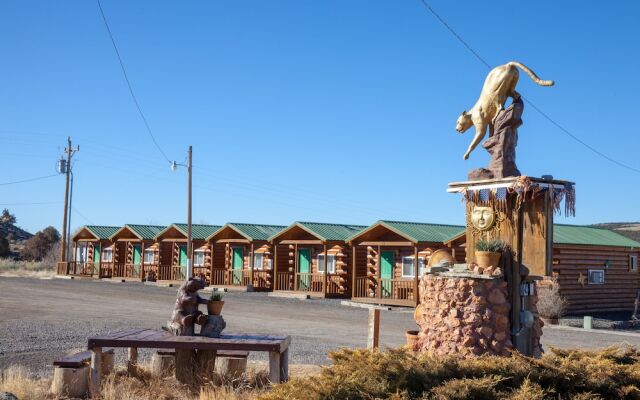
<point x="466" y="315"/>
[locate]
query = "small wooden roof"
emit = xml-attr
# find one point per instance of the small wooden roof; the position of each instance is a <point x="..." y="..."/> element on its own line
<point x="95" y="232"/>
<point x="250" y="232"/>
<point x="179" y="231"/>
<point x="323" y="232"/>
<point x="137" y="232"/>
<point x="414" y="232"/>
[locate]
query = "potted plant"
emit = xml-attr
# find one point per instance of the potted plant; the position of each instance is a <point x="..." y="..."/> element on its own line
<point x="488" y="252"/>
<point x="214" y="306"/>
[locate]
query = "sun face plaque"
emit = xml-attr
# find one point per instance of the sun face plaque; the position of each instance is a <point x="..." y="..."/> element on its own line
<point x="483" y="218"/>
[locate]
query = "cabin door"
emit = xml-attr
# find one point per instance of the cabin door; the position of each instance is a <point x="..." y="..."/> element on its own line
<point x="238" y="261"/>
<point x="136" y="259"/>
<point x="96" y="255"/>
<point x="182" y="259"/>
<point x="304" y="266"/>
<point x="386" y="272"/>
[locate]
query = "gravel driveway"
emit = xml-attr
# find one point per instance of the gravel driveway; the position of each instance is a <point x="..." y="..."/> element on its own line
<point x="41" y="319"/>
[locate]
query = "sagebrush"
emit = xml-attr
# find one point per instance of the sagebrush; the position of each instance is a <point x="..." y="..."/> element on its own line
<point x="551" y="304"/>
<point x="399" y="374"/>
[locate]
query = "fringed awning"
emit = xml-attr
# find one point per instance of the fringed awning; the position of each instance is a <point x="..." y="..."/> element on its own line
<point x="495" y="192"/>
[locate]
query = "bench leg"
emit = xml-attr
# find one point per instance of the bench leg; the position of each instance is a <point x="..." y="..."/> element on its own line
<point x="132" y="362"/>
<point x="95" y="372"/>
<point x="274" y="367"/>
<point x="284" y="366"/>
<point x="185" y="365"/>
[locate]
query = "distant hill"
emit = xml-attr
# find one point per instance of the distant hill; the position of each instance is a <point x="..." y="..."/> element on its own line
<point x="14" y="233"/>
<point x="628" y="229"/>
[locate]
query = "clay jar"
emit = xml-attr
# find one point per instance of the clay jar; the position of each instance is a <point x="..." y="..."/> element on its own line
<point x="215" y="307"/>
<point x="486" y="259"/>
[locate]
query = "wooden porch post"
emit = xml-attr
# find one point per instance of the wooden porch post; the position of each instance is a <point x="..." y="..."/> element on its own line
<point x="211" y="264"/>
<point x="274" y="272"/>
<point x="295" y="267"/>
<point x="416" y="297"/>
<point x="353" y="271"/>
<point x="142" y="261"/>
<point x="74" y="257"/>
<point x="251" y="262"/>
<point x="379" y="273"/>
<point x="326" y="271"/>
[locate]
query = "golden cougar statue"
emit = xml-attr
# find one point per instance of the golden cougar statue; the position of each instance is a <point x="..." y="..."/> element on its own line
<point x="500" y="84"/>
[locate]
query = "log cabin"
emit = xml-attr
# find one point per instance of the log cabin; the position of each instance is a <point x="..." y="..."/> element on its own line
<point x="597" y="269"/>
<point x="242" y="256"/>
<point x="91" y="247"/>
<point x="172" y="254"/>
<point x="313" y="258"/>
<point x="134" y="251"/>
<point x="385" y="253"/>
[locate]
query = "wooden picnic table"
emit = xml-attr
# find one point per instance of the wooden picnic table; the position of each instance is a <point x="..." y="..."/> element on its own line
<point x="276" y="345"/>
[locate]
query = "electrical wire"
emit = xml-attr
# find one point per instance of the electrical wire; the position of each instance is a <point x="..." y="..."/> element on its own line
<point x="28" y="180"/>
<point x="30" y="204"/>
<point x="545" y="115"/>
<point x="126" y="78"/>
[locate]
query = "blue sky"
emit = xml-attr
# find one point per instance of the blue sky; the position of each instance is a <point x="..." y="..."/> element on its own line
<point x="333" y="110"/>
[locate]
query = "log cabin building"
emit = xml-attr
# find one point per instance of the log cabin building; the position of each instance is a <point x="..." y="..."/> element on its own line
<point x="597" y="269"/>
<point x="242" y="256"/>
<point x="91" y="246"/>
<point x="313" y="258"/>
<point x="172" y="252"/>
<point x="134" y="251"/>
<point x="384" y="271"/>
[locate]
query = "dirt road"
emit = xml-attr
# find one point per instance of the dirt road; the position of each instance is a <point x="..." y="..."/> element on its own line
<point x="43" y="319"/>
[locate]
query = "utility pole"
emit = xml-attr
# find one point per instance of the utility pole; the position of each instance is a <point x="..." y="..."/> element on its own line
<point x="64" y="166"/>
<point x="189" y="239"/>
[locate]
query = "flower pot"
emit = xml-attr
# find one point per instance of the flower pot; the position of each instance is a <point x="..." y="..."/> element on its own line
<point x="486" y="259"/>
<point x="215" y="307"/>
<point x="412" y="339"/>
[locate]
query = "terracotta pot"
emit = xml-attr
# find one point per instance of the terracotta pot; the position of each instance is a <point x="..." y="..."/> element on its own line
<point x="412" y="339"/>
<point x="486" y="259"/>
<point x="215" y="307"/>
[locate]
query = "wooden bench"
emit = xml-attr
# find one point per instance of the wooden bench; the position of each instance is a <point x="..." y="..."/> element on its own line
<point x="79" y="359"/>
<point x="219" y="353"/>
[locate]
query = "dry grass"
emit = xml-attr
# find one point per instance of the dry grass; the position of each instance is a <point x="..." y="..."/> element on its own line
<point x="550" y="303"/>
<point x="398" y="374"/>
<point x="17" y="380"/>
<point x="39" y="269"/>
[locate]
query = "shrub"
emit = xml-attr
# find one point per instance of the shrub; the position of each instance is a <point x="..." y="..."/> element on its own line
<point x="5" y="249"/>
<point x="496" y="245"/>
<point x="400" y="374"/>
<point x="36" y="248"/>
<point x="216" y="296"/>
<point x="550" y="303"/>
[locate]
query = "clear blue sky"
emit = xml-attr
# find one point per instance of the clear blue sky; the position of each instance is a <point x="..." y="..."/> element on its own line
<point x="336" y="111"/>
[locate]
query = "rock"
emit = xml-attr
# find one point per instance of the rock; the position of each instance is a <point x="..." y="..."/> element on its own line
<point x="8" y="396"/>
<point x="500" y="336"/>
<point x="214" y="326"/>
<point x="485" y="331"/>
<point x="497" y="297"/>
<point x="468" y="341"/>
<point x="501" y="323"/>
<point x="497" y="272"/>
<point x="478" y="270"/>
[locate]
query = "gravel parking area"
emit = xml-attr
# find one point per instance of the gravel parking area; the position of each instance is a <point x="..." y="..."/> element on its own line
<point x="41" y="319"/>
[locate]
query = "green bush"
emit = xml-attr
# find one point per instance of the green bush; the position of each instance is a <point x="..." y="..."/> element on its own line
<point x="399" y="374"/>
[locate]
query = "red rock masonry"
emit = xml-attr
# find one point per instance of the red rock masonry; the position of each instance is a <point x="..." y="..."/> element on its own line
<point x="463" y="316"/>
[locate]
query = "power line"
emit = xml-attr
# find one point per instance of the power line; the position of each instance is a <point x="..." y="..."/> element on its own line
<point x="545" y="115"/>
<point x="30" y="204"/>
<point x="28" y="180"/>
<point x="126" y="78"/>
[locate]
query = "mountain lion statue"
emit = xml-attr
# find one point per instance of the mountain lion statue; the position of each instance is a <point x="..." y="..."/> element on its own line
<point x="500" y="84"/>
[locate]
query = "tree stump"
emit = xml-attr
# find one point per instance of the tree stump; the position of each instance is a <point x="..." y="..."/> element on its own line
<point x="163" y="364"/>
<point x="70" y="382"/>
<point x="205" y="362"/>
<point x="185" y="363"/>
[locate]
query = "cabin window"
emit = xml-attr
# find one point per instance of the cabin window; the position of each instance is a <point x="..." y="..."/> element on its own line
<point x="107" y="255"/>
<point x="596" y="276"/>
<point x="407" y="267"/>
<point x="633" y="262"/>
<point x="331" y="263"/>
<point x="257" y="260"/>
<point x="198" y="258"/>
<point x="149" y="256"/>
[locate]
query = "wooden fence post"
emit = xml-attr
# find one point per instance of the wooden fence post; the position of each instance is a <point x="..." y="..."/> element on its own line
<point x="373" y="329"/>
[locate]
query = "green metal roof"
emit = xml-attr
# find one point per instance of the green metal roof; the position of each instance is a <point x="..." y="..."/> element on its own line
<point x="198" y="231"/>
<point x="144" y="232"/>
<point x="586" y="235"/>
<point x="420" y="232"/>
<point x="253" y="231"/>
<point x="326" y="231"/>
<point x="102" y="232"/>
